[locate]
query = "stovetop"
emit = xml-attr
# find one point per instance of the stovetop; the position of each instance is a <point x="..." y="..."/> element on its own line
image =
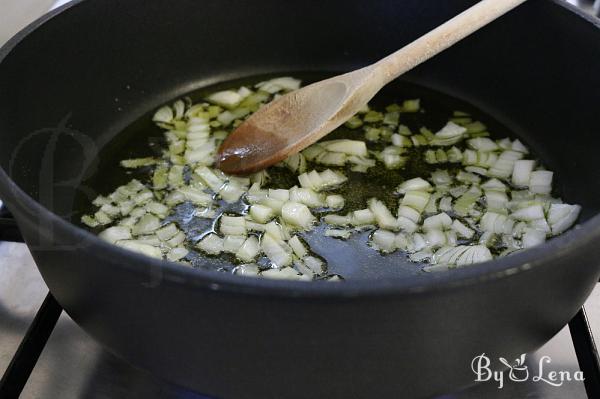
<point x="72" y="365"/>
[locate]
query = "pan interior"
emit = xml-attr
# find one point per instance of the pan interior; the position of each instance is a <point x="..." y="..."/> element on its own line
<point x="352" y="258"/>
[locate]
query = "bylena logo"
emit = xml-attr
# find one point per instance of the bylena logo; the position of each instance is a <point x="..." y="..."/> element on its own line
<point x="518" y="371"/>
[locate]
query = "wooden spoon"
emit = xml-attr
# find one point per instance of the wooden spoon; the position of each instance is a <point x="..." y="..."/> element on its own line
<point x="300" y="118"/>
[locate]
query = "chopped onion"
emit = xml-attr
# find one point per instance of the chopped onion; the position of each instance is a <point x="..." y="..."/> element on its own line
<point x="261" y="213"/>
<point x="350" y="147"/>
<point x="275" y="251"/>
<point x="297" y="214"/>
<point x="232" y="225"/>
<point x="540" y="182"/>
<point x="212" y="244"/>
<point x="529" y="213"/>
<point x="249" y="250"/>
<point x="298" y="247"/>
<point x="335" y="202"/>
<point x="382" y="214"/>
<point x="383" y="240"/>
<point x="136" y="246"/>
<point x="473" y="201"/>
<point x="449" y="135"/>
<point x="116" y="233"/>
<point x="416" y="184"/>
<point x="437" y="222"/>
<point x="562" y="216"/>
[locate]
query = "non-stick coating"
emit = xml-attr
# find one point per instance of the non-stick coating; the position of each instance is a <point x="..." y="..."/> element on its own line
<point x="81" y="77"/>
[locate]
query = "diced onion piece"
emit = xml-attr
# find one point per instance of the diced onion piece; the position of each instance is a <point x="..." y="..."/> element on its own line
<point x="464" y="204"/>
<point x="338" y="220"/>
<point x="562" y="216"/>
<point x="409" y="213"/>
<point x="116" y="233"/>
<point x="416" y="184"/>
<point x="441" y="177"/>
<point x="383" y="240"/>
<point x="503" y="168"/>
<point x="298" y="247"/>
<point x="274" y="204"/>
<point x="278" y="84"/>
<point x="227" y="98"/>
<point x="541" y="225"/>
<point x="496" y="200"/>
<point x="416" y="200"/>
<point x="529" y="213"/>
<point x="350" y="147"/>
<point x="437" y="222"/>
<point x="250" y="270"/>
<point x="401" y="141"/>
<point x="462" y="230"/>
<point x="296" y="163"/>
<point x="321" y="181"/>
<point x="275" y="251"/>
<point x="297" y="214"/>
<point x="195" y="195"/>
<point x="382" y="214"/>
<point x="261" y="213"/>
<point x="435" y="238"/>
<point x="533" y="237"/>
<point x="147" y="224"/>
<point x="312" y="152"/>
<point x="520" y="147"/>
<point x="167" y="232"/>
<point x="249" y="250"/>
<point x="136" y="246"/>
<point x="313" y="263"/>
<point x="406" y="224"/>
<point x="497" y="223"/>
<point x="212" y="244"/>
<point x="89" y="221"/>
<point x="363" y="217"/>
<point x="232" y="225"/>
<point x="286" y="273"/>
<point x="163" y="115"/>
<point x="214" y="182"/>
<point x="157" y="208"/>
<point x="450" y="134"/>
<point x="231" y="244"/>
<point x="540" y="182"/>
<point x="277" y="232"/>
<point x="138" y="162"/>
<point x="411" y="105"/>
<point x="482" y="144"/>
<point x="335" y="202"/>
<point x="177" y="253"/>
<point x="306" y="196"/>
<point x="253" y="226"/>
<point x="522" y="172"/>
<point x="279" y="194"/>
<point x="462" y="255"/>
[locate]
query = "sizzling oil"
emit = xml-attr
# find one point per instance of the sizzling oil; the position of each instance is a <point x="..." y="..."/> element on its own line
<point x="351" y="258"/>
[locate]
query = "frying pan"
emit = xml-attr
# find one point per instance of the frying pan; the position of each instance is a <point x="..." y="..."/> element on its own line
<point x="73" y="80"/>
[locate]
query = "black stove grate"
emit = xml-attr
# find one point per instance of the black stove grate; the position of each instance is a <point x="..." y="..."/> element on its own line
<point x="23" y="362"/>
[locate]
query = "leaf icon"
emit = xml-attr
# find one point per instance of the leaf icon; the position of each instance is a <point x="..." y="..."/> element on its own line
<point x="505" y="362"/>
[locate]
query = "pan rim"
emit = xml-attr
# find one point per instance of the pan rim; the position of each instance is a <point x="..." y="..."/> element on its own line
<point x="581" y="236"/>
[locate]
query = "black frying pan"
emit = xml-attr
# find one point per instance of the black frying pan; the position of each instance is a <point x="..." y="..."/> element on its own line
<point x="70" y="82"/>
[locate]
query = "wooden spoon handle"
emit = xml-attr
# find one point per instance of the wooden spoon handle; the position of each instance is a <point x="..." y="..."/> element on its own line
<point x="442" y="37"/>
